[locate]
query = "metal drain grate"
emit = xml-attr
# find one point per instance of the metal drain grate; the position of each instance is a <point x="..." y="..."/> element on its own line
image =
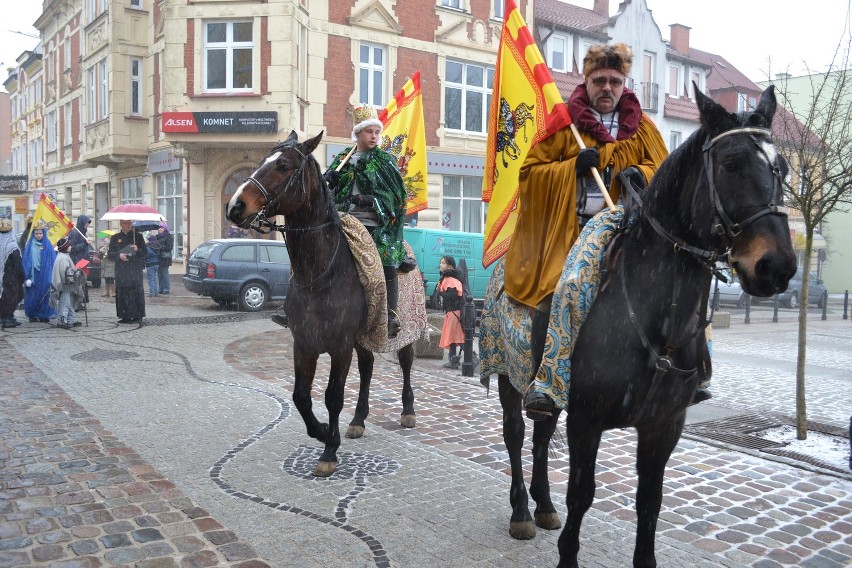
<point x="738" y="430"/>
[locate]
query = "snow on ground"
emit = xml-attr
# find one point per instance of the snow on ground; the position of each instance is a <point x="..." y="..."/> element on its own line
<point x="833" y="450"/>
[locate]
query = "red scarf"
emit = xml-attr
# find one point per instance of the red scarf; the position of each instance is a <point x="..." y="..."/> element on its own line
<point x="629" y="114"/>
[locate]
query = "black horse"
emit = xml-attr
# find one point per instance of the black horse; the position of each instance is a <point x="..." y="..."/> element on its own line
<point x="637" y="356"/>
<point x="326" y="305"/>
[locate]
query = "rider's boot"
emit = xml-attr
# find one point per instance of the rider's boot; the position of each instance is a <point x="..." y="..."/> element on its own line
<point x="538" y="405"/>
<point x="392" y="283"/>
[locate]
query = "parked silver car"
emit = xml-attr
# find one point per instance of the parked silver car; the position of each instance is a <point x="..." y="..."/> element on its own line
<point x="730" y="292"/>
<point x="247" y="271"/>
<point x="817" y="292"/>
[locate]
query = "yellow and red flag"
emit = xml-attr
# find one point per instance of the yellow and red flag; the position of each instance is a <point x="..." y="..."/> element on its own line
<point x="56" y="225"/>
<point x="526" y="107"/>
<point x="404" y="136"/>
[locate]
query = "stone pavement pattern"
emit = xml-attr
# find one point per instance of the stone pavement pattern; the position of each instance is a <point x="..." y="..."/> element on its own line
<point x="207" y="404"/>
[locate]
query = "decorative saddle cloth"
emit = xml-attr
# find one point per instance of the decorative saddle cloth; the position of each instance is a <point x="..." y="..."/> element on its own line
<point x="504" y="341"/>
<point x="411" y="304"/>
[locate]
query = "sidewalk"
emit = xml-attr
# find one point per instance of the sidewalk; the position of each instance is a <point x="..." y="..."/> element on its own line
<point x="176" y="444"/>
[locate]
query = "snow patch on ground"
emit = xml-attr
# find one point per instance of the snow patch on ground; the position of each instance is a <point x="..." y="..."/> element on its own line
<point x="829" y="449"/>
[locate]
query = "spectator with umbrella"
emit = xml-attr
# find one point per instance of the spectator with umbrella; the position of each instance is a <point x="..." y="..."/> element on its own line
<point x="128" y="250"/>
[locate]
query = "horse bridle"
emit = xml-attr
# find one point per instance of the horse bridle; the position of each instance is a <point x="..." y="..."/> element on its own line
<point x="261" y="222"/>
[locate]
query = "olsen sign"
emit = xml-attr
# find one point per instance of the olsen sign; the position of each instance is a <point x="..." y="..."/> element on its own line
<point x="220" y="122"/>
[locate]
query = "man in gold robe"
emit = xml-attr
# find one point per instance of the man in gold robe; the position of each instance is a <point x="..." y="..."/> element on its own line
<point x="558" y="193"/>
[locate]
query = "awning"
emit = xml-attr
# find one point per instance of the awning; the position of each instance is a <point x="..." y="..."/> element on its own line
<point x="797" y="233"/>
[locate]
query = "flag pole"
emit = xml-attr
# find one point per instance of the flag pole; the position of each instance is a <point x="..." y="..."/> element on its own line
<point x="595" y="173"/>
<point x="346" y="159"/>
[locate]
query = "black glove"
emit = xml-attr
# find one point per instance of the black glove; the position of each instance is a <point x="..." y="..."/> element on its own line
<point x="362" y="200"/>
<point x="632" y="173"/>
<point x="587" y="158"/>
<point x="332" y="178"/>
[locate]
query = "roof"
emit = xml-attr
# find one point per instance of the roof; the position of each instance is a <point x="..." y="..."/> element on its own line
<point x="568" y="16"/>
<point x="566" y="83"/>
<point x="681" y="108"/>
<point x="723" y="74"/>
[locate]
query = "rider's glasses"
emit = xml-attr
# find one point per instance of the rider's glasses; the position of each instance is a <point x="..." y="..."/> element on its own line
<point x="613" y="81"/>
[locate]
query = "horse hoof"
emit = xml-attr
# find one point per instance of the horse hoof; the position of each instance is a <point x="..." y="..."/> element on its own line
<point x="354" y="432"/>
<point x="324" y="469"/>
<point x="407" y="421"/>
<point x="548" y="521"/>
<point x="522" y="530"/>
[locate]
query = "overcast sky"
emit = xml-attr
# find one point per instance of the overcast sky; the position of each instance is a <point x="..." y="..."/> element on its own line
<point x="748" y="33"/>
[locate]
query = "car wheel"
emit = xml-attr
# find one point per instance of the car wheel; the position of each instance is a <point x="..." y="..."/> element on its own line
<point x="253" y="297"/>
<point x="823" y="300"/>
<point x="793" y="300"/>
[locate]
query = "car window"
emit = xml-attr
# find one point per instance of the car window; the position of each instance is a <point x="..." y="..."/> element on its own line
<point x="274" y="253"/>
<point x="203" y="251"/>
<point x="239" y="253"/>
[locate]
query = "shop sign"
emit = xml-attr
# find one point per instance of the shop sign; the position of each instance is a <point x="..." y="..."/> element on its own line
<point x="163" y="161"/>
<point x="220" y="122"/>
<point x="13" y="185"/>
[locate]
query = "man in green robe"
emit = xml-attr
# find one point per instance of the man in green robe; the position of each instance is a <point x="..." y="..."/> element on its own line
<point x="369" y="187"/>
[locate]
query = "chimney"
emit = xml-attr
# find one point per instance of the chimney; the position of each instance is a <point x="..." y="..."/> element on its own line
<point x="679" y="38"/>
<point x="601" y="8"/>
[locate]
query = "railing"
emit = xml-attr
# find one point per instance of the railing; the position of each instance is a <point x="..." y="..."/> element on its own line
<point x="649" y="96"/>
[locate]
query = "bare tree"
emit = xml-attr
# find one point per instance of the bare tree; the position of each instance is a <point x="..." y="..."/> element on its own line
<point x="814" y="132"/>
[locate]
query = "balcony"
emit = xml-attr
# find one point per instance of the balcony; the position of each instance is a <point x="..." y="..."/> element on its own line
<point x="649" y="96"/>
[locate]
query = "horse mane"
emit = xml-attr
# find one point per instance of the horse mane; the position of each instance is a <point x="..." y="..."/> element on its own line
<point x="332" y="213"/>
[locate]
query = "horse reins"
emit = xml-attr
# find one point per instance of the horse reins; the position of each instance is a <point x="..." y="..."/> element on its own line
<point x="261" y="222"/>
<point x="724" y="227"/>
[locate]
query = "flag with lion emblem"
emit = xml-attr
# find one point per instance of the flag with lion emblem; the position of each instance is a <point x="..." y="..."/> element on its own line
<point x="57" y="223"/>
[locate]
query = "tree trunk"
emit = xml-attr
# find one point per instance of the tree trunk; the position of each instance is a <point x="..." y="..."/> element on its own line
<point x="801" y="406"/>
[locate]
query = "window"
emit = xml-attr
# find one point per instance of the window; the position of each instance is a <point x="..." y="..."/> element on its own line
<point x="90" y="92"/>
<point x="452" y="4"/>
<point x="67" y="53"/>
<point x="371" y="75"/>
<point x="499" y="5"/>
<point x="674" y="87"/>
<point x="135" y="86"/>
<point x="674" y="140"/>
<point x="239" y="253"/>
<point x="467" y="96"/>
<point x="131" y="190"/>
<point x="51" y="131"/>
<point x="170" y="205"/>
<point x="695" y="77"/>
<point x="742" y="102"/>
<point x="68" y="137"/>
<point x="463" y="209"/>
<point x="95" y="8"/>
<point x="557" y="55"/>
<point x="302" y="61"/>
<point x="274" y="253"/>
<point x="136" y="4"/>
<point x="228" y="57"/>
<point x="103" y="95"/>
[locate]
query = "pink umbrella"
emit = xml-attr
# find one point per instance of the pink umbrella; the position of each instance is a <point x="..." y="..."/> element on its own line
<point x="133" y="212"/>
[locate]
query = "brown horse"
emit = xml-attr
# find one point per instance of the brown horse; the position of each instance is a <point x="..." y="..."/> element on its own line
<point x="636" y="362"/>
<point x="326" y="304"/>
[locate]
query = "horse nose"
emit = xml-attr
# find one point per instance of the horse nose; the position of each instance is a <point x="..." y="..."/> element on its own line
<point x="235" y="211"/>
<point x="776" y="269"/>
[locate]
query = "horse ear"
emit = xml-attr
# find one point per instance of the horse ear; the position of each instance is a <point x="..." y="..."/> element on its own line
<point x="714" y="117"/>
<point x="767" y="105"/>
<point x="311" y="144"/>
<point x="293" y="136"/>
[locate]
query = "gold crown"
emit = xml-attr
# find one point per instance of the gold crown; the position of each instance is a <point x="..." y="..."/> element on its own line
<point x="362" y="113"/>
<point x="40" y="224"/>
<point x="5" y="225"/>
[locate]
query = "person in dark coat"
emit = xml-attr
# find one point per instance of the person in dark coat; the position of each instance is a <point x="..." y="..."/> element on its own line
<point x="166" y="243"/>
<point x="127" y="248"/>
<point x="80" y="242"/>
<point x="11" y="275"/>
